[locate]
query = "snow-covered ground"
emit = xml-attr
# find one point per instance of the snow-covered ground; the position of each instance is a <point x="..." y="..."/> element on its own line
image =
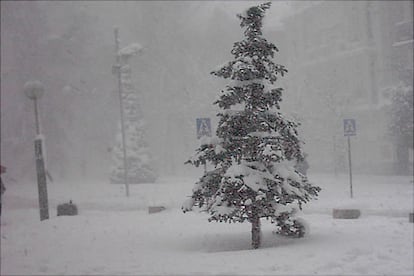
<point x="115" y="235"/>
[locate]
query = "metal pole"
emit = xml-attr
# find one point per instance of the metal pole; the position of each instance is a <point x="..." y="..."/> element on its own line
<point x="334" y="156"/>
<point x="37" y="124"/>
<point x="41" y="180"/>
<point x="40" y="167"/>
<point x="36" y="116"/>
<point x="34" y="90"/>
<point x="350" y="165"/>
<point x="118" y="64"/>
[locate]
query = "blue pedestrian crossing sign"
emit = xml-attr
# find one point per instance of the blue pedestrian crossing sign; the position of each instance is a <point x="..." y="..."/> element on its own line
<point x="203" y="127"/>
<point x="349" y="127"/>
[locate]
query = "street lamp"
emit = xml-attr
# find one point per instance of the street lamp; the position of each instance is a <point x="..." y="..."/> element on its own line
<point x="34" y="90"/>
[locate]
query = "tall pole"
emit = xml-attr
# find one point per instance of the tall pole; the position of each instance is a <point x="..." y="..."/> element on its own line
<point x="36" y="116"/>
<point x="350" y="165"/>
<point x="334" y="156"/>
<point x="119" y="74"/>
<point x="40" y="168"/>
<point x="41" y="179"/>
<point x="34" y="90"/>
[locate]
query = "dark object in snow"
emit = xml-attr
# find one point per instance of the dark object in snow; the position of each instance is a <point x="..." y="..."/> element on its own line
<point x="411" y="217"/>
<point x="2" y="187"/>
<point x="67" y="209"/>
<point x="155" y="209"/>
<point x="346" y="213"/>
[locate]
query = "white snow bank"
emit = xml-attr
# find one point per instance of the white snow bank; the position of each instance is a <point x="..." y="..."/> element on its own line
<point x="115" y="235"/>
<point x="172" y="243"/>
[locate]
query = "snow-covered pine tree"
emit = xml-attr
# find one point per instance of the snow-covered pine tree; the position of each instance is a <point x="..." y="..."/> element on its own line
<point x="252" y="177"/>
<point x="139" y="160"/>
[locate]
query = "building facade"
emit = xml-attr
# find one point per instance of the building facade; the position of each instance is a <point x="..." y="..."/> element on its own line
<point x="341" y="56"/>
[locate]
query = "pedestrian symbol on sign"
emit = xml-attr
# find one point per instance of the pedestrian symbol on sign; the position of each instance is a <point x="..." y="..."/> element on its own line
<point x="203" y="127"/>
<point x="349" y="127"/>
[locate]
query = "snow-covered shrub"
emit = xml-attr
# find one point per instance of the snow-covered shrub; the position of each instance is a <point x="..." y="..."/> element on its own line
<point x="140" y="167"/>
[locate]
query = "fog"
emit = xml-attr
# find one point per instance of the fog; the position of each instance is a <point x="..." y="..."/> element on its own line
<point x="341" y="56"/>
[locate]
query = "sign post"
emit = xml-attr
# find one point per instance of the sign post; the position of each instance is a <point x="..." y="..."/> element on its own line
<point x="350" y="130"/>
<point x="203" y="129"/>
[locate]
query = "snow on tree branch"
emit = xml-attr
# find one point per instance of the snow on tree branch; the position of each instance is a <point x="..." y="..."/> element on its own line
<point x="130" y="50"/>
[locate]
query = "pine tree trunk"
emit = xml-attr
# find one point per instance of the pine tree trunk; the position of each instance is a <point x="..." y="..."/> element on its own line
<point x="256" y="232"/>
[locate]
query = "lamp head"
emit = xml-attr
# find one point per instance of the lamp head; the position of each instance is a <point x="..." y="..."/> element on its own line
<point x="34" y="90"/>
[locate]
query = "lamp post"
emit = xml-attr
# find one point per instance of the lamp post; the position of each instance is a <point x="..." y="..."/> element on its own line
<point x="34" y="90"/>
